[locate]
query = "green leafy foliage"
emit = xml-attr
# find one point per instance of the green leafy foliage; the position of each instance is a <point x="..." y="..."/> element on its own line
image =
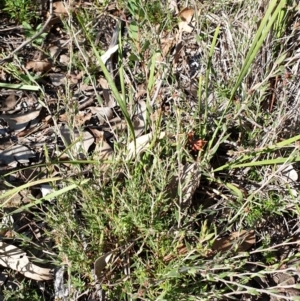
<point x="21" y="10"/>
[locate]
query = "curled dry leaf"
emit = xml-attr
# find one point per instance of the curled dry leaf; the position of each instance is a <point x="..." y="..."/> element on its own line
<point x="116" y="124"/>
<point x="194" y="143"/>
<point x="166" y="45"/>
<point x="289" y="174"/>
<point x="109" y="99"/>
<point x="17" y="153"/>
<point x="64" y="59"/>
<point x="57" y="79"/>
<point x="18" y="122"/>
<point x="139" y="120"/>
<point x="38" y="66"/>
<point x="14" y="258"/>
<point x="54" y="51"/>
<point x="60" y="8"/>
<point x="85" y="143"/>
<point x="142" y="143"/>
<point x="189" y="178"/>
<point x="103" y="113"/>
<point x="105" y="57"/>
<point x="9" y="103"/>
<point x="101" y="263"/>
<point x="186" y="16"/>
<point x="243" y="239"/>
<point x="172" y="4"/>
<point x="74" y="78"/>
<point x="103" y="150"/>
<point x="85" y="140"/>
<point x="79" y="119"/>
<point x="46" y="189"/>
<point x="60" y="289"/>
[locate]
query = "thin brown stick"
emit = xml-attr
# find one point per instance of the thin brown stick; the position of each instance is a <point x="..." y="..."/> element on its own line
<point x="36" y="35"/>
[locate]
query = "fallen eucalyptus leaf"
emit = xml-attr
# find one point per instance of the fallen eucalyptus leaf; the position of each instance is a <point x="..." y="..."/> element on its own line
<point x="9" y="103"/>
<point x="188" y="180"/>
<point x="105" y="57"/>
<point x="289" y="174"/>
<point x="109" y="99"/>
<point x="46" y="189"/>
<point x="243" y="239"/>
<point x="103" y="150"/>
<point x="60" y="8"/>
<point x="85" y="143"/>
<point x="18" y="122"/>
<point x="142" y="143"/>
<point x="14" y="258"/>
<point x="139" y="119"/>
<point x="186" y="16"/>
<point x="85" y="140"/>
<point x="39" y="66"/>
<point x="17" y="153"/>
<point x="103" y="113"/>
<point x="64" y="59"/>
<point x="100" y="264"/>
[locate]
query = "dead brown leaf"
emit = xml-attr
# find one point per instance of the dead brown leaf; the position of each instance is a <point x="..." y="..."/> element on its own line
<point x="166" y="45"/>
<point x="142" y="143"/>
<point x="139" y="119"/>
<point x="39" y="66"/>
<point x="189" y="176"/>
<point x="64" y="59"/>
<point x="74" y="78"/>
<point x="103" y="150"/>
<point x="103" y="113"/>
<point x="17" y="153"/>
<point x="186" y="16"/>
<point x="243" y="239"/>
<point x="79" y="118"/>
<point x="109" y="100"/>
<point x="16" y="259"/>
<point x="60" y="8"/>
<point x="18" y="122"/>
<point x="9" y="103"/>
<point x="81" y="141"/>
<point x="100" y="264"/>
<point x="54" y="51"/>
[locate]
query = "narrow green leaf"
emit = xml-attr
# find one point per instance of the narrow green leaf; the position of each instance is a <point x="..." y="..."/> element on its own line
<point x="48" y="197"/>
<point x="19" y="87"/>
<point x="16" y="190"/>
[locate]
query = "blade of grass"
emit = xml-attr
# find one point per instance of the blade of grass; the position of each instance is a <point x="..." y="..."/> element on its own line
<point x="12" y="192"/>
<point x="267" y="162"/>
<point x="49" y="196"/>
<point x="270" y="148"/>
<point x="260" y="36"/>
<point x="121" y="102"/>
<point x="209" y="67"/>
<point x="19" y="87"/>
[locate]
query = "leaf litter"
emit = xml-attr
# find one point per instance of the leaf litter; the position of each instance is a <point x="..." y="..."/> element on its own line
<point x="92" y="129"/>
